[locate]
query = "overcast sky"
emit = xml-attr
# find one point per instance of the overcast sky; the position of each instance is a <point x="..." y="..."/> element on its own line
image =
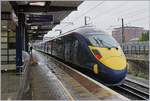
<point x="107" y="15"/>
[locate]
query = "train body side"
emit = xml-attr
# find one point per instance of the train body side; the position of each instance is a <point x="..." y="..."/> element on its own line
<point x="71" y="48"/>
<point x="74" y="48"/>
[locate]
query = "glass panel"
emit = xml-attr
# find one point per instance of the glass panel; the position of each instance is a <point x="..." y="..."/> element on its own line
<point x="102" y="40"/>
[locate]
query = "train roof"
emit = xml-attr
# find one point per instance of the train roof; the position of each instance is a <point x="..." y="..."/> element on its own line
<point x="87" y="29"/>
<point x="84" y="30"/>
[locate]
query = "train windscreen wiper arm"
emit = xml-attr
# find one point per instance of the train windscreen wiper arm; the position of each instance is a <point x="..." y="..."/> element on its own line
<point x="111" y="46"/>
<point x="98" y="42"/>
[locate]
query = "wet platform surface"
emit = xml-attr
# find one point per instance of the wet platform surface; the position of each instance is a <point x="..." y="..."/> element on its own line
<point x="45" y="84"/>
<point x="45" y="79"/>
<point x="49" y="80"/>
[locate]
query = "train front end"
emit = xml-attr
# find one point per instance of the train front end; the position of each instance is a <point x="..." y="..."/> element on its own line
<point x="111" y="64"/>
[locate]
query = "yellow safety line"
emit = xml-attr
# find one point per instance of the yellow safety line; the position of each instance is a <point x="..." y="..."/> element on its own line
<point x="66" y="91"/>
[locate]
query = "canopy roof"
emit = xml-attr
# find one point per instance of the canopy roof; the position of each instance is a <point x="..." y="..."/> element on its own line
<point x="41" y="16"/>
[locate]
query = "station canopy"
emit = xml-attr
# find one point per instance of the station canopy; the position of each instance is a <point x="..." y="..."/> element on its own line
<point x="42" y="16"/>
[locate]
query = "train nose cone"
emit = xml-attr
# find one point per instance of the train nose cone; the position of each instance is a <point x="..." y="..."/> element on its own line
<point x="113" y="76"/>
<point x="117" y="76"/>
<point x="115" y="69"/>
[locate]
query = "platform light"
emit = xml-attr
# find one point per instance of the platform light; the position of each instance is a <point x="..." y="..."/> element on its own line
<point x="34" y="27"/>
<point x="29" y="24"/>
<point x="37" y="3"/>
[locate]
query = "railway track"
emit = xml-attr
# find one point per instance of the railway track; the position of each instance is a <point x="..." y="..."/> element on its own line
<point x="133" y="90"/>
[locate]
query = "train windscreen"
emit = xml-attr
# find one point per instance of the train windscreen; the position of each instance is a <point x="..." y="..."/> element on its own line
<point x="102" y="40"/>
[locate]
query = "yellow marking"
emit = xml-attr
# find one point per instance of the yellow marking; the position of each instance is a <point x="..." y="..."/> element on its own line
<point x="95" y="69"/>
<point x="112" y="58"/>
<point x="71" y="98"/>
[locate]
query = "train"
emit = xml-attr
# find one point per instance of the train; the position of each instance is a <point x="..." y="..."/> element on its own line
<point x="91" y="48"/>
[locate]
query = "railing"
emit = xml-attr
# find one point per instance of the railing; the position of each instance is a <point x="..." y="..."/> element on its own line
<point x="138" y="48"/>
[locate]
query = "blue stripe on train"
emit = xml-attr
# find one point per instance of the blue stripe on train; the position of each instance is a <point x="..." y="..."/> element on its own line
<point x="109" y="75"/>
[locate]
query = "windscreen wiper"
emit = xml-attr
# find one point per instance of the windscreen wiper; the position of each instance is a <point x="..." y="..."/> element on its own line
<point x="111" y="46"/>
<point x="98" y="42"/>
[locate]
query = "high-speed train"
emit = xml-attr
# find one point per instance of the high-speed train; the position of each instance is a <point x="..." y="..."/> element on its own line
<point x="88" y="47"/>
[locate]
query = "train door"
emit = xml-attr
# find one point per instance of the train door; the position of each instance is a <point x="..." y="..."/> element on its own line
<point x="60" y="47"/>
<point x="49" y="47"/>
<point x="54" y="47"/>
<point x="71" y="49"/>
<point x="46" y="48"/>
<point x="67" y="48"/>
<point x="51" y="50"/>
<point x="75" y="51"/>
<point x="63" y="46"/>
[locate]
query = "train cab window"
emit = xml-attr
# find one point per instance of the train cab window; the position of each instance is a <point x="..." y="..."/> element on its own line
<point x="102" y="40"/>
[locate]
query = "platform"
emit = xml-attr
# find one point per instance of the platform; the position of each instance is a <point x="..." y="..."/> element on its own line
<point x="45" y="84"/>
<point x="48" y="81"/>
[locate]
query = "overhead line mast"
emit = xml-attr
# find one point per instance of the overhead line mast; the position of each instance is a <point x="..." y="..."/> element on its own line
<point x="123" y="38"/>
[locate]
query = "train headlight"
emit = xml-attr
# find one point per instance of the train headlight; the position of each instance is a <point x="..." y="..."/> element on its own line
<point x="97" y="54"/>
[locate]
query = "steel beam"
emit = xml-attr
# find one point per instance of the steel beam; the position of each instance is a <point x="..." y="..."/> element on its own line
<point x="37" y="33"/>
<point x="38" y="30"/>
<point x="36" y="38"/>
<point x="42" y="23"/>
<point x="31" y="9"/>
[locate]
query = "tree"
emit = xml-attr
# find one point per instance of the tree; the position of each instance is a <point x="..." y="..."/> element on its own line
<point x="144" y="36"/>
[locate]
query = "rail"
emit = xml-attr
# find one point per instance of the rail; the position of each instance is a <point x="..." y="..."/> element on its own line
<point x="133" y="90"/>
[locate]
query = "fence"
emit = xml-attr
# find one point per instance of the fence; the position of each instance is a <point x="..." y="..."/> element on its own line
<point x="138" y="48"/>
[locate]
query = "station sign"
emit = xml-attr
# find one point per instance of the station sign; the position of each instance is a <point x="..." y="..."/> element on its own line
<point x="39" y="18"/>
